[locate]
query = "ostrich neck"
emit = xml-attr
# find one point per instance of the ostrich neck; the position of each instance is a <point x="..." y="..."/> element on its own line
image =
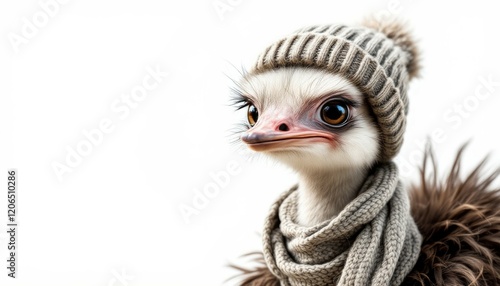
<point x="322" y="195"/>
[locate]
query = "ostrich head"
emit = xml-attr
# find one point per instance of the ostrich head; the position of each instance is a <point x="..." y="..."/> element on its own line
<point x="318" y="124"/>
<point x="329" y="102"/>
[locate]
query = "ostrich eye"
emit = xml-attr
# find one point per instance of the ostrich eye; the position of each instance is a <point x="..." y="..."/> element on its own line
<point x="335" y="113"/>
<point x="253" y="115"/>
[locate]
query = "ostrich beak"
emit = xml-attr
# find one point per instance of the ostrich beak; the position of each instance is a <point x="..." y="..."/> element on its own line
<point x="279" y="134"/>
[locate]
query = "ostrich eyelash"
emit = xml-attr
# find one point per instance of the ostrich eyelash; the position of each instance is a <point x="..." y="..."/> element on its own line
<point x="240" y="101"/>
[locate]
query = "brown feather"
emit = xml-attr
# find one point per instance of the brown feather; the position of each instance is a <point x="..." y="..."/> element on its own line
<point x="459" y="220"/>
<point x="259" y="275"/>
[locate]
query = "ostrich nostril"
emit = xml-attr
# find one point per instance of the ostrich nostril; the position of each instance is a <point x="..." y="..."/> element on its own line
<point x="283" y="127"/>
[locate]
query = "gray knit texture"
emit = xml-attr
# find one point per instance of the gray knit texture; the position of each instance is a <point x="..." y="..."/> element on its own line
<point x="373" y="241"/>
<point x="369" y="59"/>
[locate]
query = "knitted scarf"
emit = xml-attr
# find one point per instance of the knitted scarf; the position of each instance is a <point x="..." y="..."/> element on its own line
<point x="373" y="241"/>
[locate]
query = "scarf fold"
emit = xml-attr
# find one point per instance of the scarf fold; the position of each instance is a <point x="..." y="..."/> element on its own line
<point x="373" y="241"/>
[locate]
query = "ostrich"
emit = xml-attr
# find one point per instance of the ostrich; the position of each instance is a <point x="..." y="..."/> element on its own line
<point x="331" y="102"/>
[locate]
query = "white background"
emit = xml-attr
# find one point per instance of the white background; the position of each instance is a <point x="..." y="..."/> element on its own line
<point x="118" y="210"/>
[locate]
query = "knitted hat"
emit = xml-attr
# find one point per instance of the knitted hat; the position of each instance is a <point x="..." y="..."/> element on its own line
<point x="379" y="58"/>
